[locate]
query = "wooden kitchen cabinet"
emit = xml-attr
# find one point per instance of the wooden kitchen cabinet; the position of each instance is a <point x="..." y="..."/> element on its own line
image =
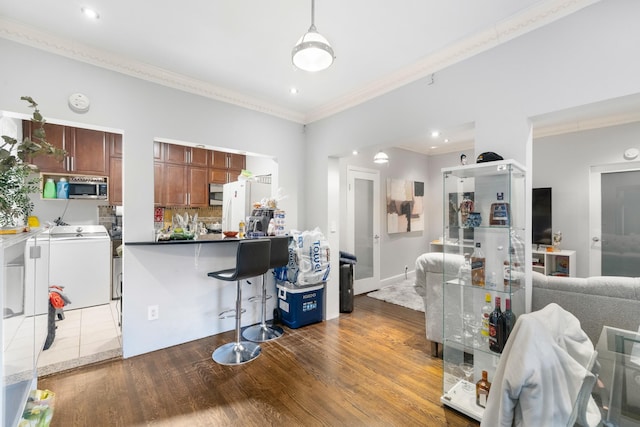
<point x="55" y="136"/>
<point x="158" y="184"/>
<point x="174" y="153"/>
<point x="198" y="156"/>
<point x="114" y="141"/>
<point x="174" y="192"/>
<point x="225" y="167"/>
<point x="184" y="186"/>
<point x="198" y="187"/>
<point x="236" y="162"/>
<point x="218" y="176"/>
<point x="183" y="155"/>
<point x="87" y="151"/>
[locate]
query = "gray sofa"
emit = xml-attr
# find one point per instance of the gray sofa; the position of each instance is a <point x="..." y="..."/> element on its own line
<point x="595" y="301"/>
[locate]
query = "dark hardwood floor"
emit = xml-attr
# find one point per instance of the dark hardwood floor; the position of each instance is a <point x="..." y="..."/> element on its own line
<point x="371" y="367"/>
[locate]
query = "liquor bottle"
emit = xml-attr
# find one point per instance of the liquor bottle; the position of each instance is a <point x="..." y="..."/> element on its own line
<point x="241" y="229"/>
<point x="485" y="311"/>
<point x="477" y="266"/>
<point x="511" y="272"/>
<point x="482" y="390"/>
<point x="499" y="211"/>
<point x="509" y="319"/>
<point x="492" y="281"/>
<point x="464" y="272"/>
<point x="496" y="328"/>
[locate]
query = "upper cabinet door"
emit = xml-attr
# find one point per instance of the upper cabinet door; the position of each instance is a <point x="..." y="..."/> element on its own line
<point x="218" y="159"/>
<point x="174" y="153"/>
<point x="115" y="143"/>
<point x="236" y="161"/>
<point x="198" y="157"/>
<point x="54" y="136"/>
<point x="90" y="152"/>
<point x="115" y="181"/>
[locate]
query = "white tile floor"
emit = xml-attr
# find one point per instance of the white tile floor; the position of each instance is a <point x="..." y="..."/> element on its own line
<point x="85" y="336"/>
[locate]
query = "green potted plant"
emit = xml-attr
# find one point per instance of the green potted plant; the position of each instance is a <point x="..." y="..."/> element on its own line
<point x="18" y="179"/>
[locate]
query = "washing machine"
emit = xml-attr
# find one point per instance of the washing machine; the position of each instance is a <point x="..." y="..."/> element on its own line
<point x="80" y="260"/>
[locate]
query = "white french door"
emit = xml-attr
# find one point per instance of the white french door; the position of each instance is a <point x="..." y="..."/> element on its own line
<point x="363" y="226"/>
<point x="614" y="222"/>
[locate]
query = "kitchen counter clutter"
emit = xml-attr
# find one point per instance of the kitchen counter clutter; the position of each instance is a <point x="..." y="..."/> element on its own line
<point x="201" y="238"/>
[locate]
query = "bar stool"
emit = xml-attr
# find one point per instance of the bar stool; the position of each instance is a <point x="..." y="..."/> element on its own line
<point x="279" y="257"/>
<point x="252" y="259"/>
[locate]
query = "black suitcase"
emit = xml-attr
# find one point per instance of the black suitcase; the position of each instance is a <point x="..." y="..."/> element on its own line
<point x="346" y="288"/>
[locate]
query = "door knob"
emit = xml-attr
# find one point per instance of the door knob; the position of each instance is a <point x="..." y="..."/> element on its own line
<point x="595" y="239"/>
<point x="376" y="237"/>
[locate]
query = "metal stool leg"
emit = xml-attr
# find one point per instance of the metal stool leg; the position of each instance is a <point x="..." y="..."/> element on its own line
<point x="263" y="332"/>
<point x="238" y="352"/>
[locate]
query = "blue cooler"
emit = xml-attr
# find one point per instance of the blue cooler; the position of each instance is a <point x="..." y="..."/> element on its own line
<point x="300" y="305"/>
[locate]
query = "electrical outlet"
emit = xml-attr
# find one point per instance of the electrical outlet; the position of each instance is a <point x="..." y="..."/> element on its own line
<point x="153" y="312"/>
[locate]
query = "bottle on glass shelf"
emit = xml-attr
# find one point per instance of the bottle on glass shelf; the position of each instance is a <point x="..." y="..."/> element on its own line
<point x="496" y="328"/>
<point x="482" y="390"/>
<point x="492" y="281"/>
<point x="499" y="211"/>
<point x="509" y="319"/>
<point x="485" y="312"/>
<point x="511" y="275"/>
<point x="477" y="266"/>
<point x="464" y="272"/>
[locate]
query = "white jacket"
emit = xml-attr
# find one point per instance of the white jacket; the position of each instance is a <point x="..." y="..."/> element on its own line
<point x="544" y="376"/>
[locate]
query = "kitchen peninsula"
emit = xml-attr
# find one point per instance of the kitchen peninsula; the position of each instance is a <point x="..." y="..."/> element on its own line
<point x="170" y="278"/>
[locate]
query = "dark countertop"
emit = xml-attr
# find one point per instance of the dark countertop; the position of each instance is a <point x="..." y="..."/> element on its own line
<point x="203" y="238"/>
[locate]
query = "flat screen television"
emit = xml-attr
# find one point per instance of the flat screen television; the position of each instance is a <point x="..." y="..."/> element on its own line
<point x="541" y="216"/>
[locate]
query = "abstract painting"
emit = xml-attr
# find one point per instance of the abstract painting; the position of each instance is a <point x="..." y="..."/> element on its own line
<point x="404" y="206"/>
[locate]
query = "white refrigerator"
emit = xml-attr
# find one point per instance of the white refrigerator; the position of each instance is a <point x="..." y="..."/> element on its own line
<point x="238" y="199"/>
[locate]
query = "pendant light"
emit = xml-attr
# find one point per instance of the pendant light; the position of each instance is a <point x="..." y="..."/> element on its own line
<point x="381" y="157"/>
<point x="312" y="52"/>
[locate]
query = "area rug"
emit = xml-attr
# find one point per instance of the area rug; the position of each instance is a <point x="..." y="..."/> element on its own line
<point x="402" y="293"/>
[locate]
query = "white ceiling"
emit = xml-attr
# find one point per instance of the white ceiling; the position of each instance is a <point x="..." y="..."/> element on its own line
<point x="239" y="51"/>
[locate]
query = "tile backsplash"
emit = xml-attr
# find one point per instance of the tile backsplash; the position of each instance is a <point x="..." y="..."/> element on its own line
<point x="163" y="217"/>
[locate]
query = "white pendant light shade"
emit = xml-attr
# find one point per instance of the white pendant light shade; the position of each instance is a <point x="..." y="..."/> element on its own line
<point x="312" y="52"/>
<point x="381" y="157"/>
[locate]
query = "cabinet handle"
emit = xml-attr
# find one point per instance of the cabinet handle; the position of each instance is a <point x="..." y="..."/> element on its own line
<point x="188" y="198"/>
<point x="73" y="166"/>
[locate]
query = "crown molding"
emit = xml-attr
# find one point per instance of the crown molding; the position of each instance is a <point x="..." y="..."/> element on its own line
<point x="584" y="125"/>
<point x="528" y="20"/>
<point x="522" y="23"/>
<point x="64" y="47"/>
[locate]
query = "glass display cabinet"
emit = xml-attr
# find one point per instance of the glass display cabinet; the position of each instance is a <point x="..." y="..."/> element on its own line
<point x="484" y="206"/>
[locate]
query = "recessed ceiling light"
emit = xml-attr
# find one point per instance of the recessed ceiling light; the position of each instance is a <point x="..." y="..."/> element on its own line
<point x="435" y="134"/>
<point x="354" y="152"/>
<point x="433" y="147"/>
<point x="90" y="13"/>
<point x="293" y="91"/>
<point x="446" y="140"/>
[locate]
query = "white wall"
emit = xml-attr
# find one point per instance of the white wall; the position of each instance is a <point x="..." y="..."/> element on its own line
<point x="562" y="162"/>
<point x="397" y="250"/>
<point x="583" y="58"/>
<point x="143" y="111"/>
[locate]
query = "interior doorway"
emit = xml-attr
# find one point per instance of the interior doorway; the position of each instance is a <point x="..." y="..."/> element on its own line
<point x="613" y="221"/>
<point x="363" y="222"/>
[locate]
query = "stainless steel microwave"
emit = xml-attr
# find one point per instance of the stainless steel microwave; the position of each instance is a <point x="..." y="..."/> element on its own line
<point x="88" y="188"/>
<point x="215" y="195"/>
